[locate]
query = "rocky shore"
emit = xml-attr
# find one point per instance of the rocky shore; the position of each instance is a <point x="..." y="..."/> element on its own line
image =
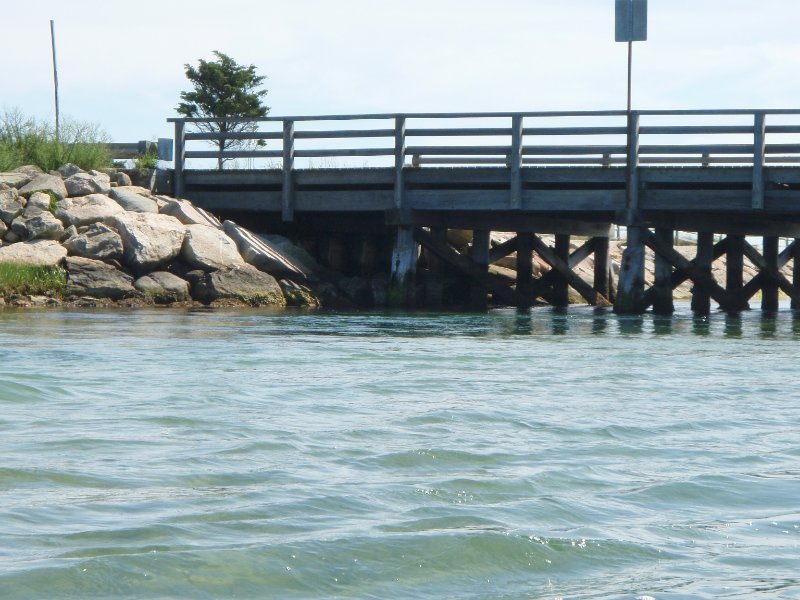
<point x="117" y="244"/>
<point x="120" y="244"/>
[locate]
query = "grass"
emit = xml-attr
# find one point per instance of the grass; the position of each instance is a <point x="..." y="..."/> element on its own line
<point x="26" y="141"/>
<point x="29" y="280"/>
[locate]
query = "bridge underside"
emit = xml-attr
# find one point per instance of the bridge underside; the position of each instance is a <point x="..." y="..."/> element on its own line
<point x="565" y="202"/>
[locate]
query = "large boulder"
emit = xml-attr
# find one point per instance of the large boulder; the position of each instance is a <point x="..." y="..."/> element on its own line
<point x="150" y="240"/>
<point x="83" y="184"/>
<point x="267" y="256"/>
<point x="45" y="183"/>
<point x="163" y="287"/>
<point x="36" y="223"/>
<point x="133" y="199"/>
<point x="38" y="200"/>
<point x="99" y="242"/>
<point x="242" y="285"/>
<point x="37" y="253"/>
<point x="3" y="230"/>
<point x="14" y="180"/>
<point x="86" y="210"/>
<point x="87" y="277"/>
<point x="209" y="249"/>
<point x="187" y="213"/>
<point x="10" y="205"/>
<point x="68" y="170"/>
<point x="31" y="171"/>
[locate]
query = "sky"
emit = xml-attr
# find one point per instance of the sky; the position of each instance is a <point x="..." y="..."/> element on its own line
<point x="121" y="64"/>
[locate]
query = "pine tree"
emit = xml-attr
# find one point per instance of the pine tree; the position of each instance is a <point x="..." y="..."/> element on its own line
<point x="224" y="89"/>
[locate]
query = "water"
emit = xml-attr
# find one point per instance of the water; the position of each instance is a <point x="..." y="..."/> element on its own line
<point x="170" y="454"/>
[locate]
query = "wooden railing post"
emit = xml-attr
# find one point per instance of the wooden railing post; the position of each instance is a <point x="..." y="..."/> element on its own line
<point x="759" y="151"/>
<point x="632" y="187"/>
<point x="180" y="158"/>
<point x="399" y="164"/>
<point x="516" y="162"/>
<point x="287" y="207"/>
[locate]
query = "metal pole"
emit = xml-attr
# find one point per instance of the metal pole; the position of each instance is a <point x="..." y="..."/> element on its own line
<point x="630" y="70"/>
<point x="55" y="70"/>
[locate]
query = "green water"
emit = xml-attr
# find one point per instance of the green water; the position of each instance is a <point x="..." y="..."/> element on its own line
<point x="153" y="454"/>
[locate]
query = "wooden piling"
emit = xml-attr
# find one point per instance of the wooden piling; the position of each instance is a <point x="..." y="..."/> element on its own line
<point x="796" y="272"/>
<point x="602" y="271"/>
<point x="561" y="284"/>
<point x="701" y="294"/>
<point x="734" y="270"/>
<point x="630" y="288"/>
<point x="769" y="290"/>
<point x="404" y="269"/>
<point x="663" y="303"/>
<point x="525" y="266"/>
<point x="479" y="255"/>
<point x="434" y="285"/>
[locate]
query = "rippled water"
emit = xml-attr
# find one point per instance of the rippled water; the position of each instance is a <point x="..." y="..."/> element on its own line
<point x="153" y="454"/>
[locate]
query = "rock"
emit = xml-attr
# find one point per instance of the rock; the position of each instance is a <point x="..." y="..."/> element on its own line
<point x="14" y="180"/>
<point x="150" y="240"/>
<point x="87" y="209"/>
<point x="45" y="183"/>
<point x="132" y="201"/>
<point x="43" y="226"/>
<point x="297" y="295"/>
<point x="98" y="242"/>
<point x="38" y="200"/>
<point x="267" y="256"/>
<point x="69" y="233"/>
<point x="187" y="213"/>
<point x="83" y="184"/>
<point x="38" y="253"/>
<point x="243" y="284"/>
<point x="209" y="249"/>
<point x="11" y="237"/>
<point x="68" y="170"/>
<point x="163" y="287"/>
<point x="10" y="205"/>
<point x="3" y="229"/>
<point x="121" y="179"/>
<point x="31" y="171"/>
<point x="87" y="277"/>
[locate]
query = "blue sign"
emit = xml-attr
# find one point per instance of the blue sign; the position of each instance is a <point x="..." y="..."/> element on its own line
<point x="631" y="21"/>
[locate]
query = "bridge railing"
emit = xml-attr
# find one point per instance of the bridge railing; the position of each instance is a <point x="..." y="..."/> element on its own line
<point x="512" y="140"/>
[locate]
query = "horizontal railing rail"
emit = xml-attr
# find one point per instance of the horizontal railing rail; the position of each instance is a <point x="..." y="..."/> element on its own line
<point x="510" y="140"/>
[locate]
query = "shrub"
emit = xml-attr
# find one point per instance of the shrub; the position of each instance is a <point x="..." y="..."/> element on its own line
<point x="26" y="141"/>
<point x="25" y="279"/>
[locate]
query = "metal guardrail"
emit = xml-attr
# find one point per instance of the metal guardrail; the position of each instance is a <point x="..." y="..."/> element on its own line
<point x="629" y="144"/>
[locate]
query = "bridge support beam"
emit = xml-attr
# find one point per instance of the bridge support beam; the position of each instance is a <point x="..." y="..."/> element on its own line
<point x="525" y="267"/>
<point x="602" y="271"/>
<point x="402" y="293"/>
<point x="701" y="294"/>
<point x="479" y="254"/>
<point x="561" y="285"/>
<point x="734" y="270"/>
<point x="434" y="285"/>
<point x="663" y="303"/>
<point x="630" y="289"/>
<point x="796" y="272"/>
<point x="769" y="291"/>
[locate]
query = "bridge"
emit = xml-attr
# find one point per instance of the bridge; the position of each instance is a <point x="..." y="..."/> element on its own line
<point x="727" y="175"/>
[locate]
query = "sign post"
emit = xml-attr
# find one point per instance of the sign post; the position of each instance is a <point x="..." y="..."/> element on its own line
<point x="631" y="27"/>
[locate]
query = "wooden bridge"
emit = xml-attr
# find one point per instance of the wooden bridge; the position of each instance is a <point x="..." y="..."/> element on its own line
<point x="729" y="172"/>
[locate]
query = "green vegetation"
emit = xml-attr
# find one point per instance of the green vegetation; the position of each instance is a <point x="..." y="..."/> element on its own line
<point x="26" y="141"/>
<point x="224" y="89"/>
<point x="25" y="279"/>
<point x="145" y="162"/>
